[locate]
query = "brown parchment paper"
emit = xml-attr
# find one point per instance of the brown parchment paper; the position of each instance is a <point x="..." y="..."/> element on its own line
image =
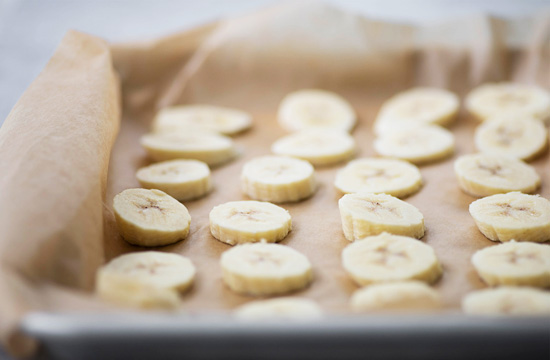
<point x="60" y="170"/>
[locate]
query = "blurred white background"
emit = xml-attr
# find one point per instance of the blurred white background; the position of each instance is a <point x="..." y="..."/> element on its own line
<point x="31" y="29"/>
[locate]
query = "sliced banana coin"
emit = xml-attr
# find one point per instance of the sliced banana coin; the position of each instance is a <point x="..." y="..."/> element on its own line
<point x="521" y="138"/>
<point x="507" y="300"/>
<point x="287" y="308"/>
<point x="238" y="222"/>
<point x="513" y="216"/>
<point x="418" y="145"/>
<point x="213" y="118"/>
<point x="149" y="279"/>
<point x="265" y="269"/>
<point x="513" y="263"/>
<point x="181" y="179"/>
<point x="210" y="148"/>
<point x="405" y="295"/>
<point x="489" y="100"/>
<point x="388" y="258"/>
<point x="318" y="146"/>
<point x="278" y="179"/>
<point x="485" y="174"/>
<point x="417" y="107"/>
<point x="310" y="108"/>
<point x="391" y="176"/>
<point x="366" y="214"/>
<point x="150" y="217"/>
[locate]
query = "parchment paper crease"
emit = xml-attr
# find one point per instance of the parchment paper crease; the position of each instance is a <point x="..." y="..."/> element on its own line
<point x="60" y="165"/>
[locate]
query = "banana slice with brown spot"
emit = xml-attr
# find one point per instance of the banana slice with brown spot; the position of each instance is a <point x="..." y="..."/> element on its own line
<point x="316" y="109"/>
<point x="278" y="179"/>
<point x="395" y="296"/>
<point x="207" y="147"/>
<point x="150" y="217"/>
<point x="287" y="308"/>
<point x="418" y="145"/>
<point x="513" y="216"/>
<point x="513" y="263"/>
<point x="206" y="117"/>
<point x="238" y="222"/>
<point x="484" y="175"/>
<point x="518" y="137"/>
<point x="417" y="107"/>
<point x="496" y="99"/>
<point x="389" y="258"/>
<point x="149" y="279"/>
<point x="390" y="176"/>
<point x="320" y="147"/>
<point x="181" y="179"/>
<point x="507" y="300"/>
<point x="366" y="214"/>
<point x="265" y="269"/>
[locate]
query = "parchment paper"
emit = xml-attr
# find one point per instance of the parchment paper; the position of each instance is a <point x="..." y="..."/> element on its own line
<point x="57" y="181"/>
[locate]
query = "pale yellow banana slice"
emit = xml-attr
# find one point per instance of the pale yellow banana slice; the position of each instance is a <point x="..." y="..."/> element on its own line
<point x="405" y="295"/>
<point x="265" y="269"/>
<point x="418" y="145"/>
<point x="306" y="109"/>
<point x="150" y="217"/>
<point x="366" y="214"/>
<point x="513" y="263"/>
<point x="210" y="148"/>
<point x="149" y="279"/>
<point x="513" y="216"/>
<point x="181" y="179"/>
<point x="391" y="176"/>
<point x="494" y="99"/>
<point x="485" y="174"/>
<point x="213" y="118"/>
<point x="507" y="300"/>
<point x="239" y="222"/>
<point x="520" y="138"/>
<point x="417" y="107"/>
<point x="318" y="146"/>
<point x="287" y="308"/>
<point x="278" y="179"/>
<point x="388" y="258"/>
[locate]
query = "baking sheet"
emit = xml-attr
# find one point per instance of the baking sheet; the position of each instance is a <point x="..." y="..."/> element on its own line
<point x="55" y="145"/>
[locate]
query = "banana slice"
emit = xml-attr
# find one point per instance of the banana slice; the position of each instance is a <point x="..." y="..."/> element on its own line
<point x="520" y="138"/>
<point x="306" y="109"/>
<point x="507" y="300"/>
<point x="150" y="217"/>
<point x="513" y="263"/>
<point x="389" y="258"/>
<point x="181" y="179"/>
<point x="289" y="308"/>
<point x="484" y="174"/>
<point x="417" y="107"/>
<point x="211" y="118"/>
<point x="366" y="214"/>
<point x="149" y="279"/>
<point x="318" y="146"/>
<point x="507" y="98"/>
<point x="391" y="176"/>
<point x="278" y="179"/>
<point x="406" y="295"/>
<point x="418" y="145"/>
<point x="210" y="148"/>
<point x="239" y="222"/>
<point x="513" y="216"/>
<point x="265" y="269"/>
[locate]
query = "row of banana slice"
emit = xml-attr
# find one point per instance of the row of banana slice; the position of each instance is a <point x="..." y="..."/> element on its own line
<point x="306" y="145"/>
